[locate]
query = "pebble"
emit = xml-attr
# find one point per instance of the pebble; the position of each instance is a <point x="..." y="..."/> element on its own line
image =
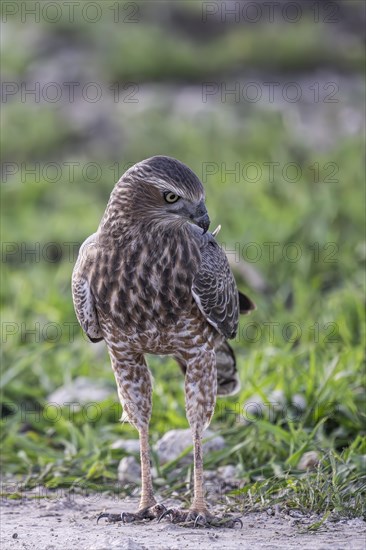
<point x="174" y="442"/>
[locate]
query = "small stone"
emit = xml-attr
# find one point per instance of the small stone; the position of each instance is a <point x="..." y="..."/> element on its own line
<point x="174" y="442"/>
<point x="295" y="514"/>
<point x="252" y="409"/>
<point x="129" y="470"/>
<point x="299" y="402"/>
<point x="209" y="475"/>
<point x="79" y="392"/>
<point x="308" y="461"/>
<point x="227" y="472"/>
<point x="15" y="535"/>
<point x="128" y="445"/>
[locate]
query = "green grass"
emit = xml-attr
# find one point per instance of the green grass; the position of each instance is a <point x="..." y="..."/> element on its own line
<point x="315" y="304"/>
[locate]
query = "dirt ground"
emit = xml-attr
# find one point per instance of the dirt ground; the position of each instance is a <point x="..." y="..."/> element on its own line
<point x="70" y="523"/>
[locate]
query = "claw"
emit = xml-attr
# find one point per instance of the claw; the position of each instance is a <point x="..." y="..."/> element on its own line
<point x="111" y="518"/>
<point x="228" y="522"/>
<point x="167" y="512"/>
<point x="185" y="518"/>
<point x="141" y="515"/>
<point x="191" y="518"/>
<point x="160" y="508"/>
<point x="200" y="518"/>
<point x="238" y="520"/>
<point x="102" y="516"/>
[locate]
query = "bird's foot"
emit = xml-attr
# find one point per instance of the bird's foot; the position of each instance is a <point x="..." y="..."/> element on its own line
<point x="150" y="512"/>
<point x="199" y="518"/>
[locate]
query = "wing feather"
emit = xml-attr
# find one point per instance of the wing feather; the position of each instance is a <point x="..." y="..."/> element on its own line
<point x="214" y="288"/>
<point x="83" y="299"/>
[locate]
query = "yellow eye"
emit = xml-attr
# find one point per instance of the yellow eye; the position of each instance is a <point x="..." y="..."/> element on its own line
<point x="171" y="197"/>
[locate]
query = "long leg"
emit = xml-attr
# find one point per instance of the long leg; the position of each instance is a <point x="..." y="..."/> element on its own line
<point x="134" y="389"/>
<point x="200" y="390"/>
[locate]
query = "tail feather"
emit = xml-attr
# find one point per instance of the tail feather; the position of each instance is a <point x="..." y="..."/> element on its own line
<point x="228" y="382"/>
<point x="246" y="305"/>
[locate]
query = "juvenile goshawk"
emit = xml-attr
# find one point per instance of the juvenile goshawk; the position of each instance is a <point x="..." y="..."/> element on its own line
<point x="152" y="279"/>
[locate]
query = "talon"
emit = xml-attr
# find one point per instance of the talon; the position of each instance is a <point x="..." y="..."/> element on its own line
<point x="198" y="519"/>
<point x="165" y="514"/>
<point x="111" y="518"/>
<point x="238" y="520"/>
<point x="103" y="515"/>
<point x="124" y="517"/>
<point x="160" y="508"/>
<point x="191" y="518"/>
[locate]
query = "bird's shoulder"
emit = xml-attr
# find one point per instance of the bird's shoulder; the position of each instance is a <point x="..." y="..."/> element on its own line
<point x="88" y="253"/>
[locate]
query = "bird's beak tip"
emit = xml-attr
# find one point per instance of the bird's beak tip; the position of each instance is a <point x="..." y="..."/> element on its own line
<point x="204" y="223"/>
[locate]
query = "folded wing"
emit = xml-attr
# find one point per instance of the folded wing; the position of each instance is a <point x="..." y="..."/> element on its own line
<point x="81" y="292"/>
<point x="214" y="288"/>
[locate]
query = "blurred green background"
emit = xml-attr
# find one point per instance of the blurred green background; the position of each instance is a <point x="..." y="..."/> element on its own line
<point x="267" y="107"/>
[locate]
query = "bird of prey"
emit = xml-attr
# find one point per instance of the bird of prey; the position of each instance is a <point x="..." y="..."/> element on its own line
<point x="152" y="279"/>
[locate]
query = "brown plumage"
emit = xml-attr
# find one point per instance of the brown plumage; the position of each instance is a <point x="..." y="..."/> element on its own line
<point x="153" y="280"/>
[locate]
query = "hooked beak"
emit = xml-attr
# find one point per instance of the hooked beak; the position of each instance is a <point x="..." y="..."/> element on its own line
<point x="204" y="222"/>
<point x="201" y="217"/>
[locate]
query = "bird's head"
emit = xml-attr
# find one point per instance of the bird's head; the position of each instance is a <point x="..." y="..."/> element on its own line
<point x="163" y="189"/>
